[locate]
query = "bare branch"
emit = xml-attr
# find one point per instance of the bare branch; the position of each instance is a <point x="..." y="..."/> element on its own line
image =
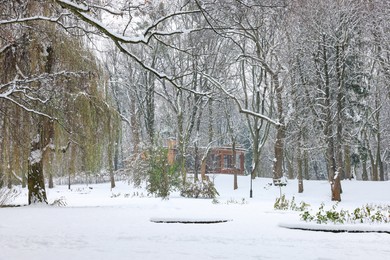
<point x="33" y="18"/>
<point x="107" y="9"/>
<point x="7" y="97"/>
<point x="154" y="25"/>
<point x="240" y="108"/>
<point x="80" y="12"/>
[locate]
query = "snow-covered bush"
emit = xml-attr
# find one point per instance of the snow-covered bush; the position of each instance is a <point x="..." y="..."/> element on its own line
<point x="7" y="195"/>
<point x="199" y="189"/>
<point x="162" y="177"/>
<point x="136" y="169"/>
<point x="282" y="203"/>
<point x="364" y="214"/>
<point x="234" y="201"/>
<point x="61" y="202"/>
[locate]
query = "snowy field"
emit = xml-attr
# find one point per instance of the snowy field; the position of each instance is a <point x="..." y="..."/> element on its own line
<point x="98" y="223"/>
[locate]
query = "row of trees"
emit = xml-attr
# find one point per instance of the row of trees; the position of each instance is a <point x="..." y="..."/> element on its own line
<point x="310" y="79"/>
<point x="302" y="84"/>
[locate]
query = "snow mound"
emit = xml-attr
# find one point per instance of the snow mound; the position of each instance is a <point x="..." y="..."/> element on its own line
<point x="190" y="220"/>
<point x="334" y="228"/>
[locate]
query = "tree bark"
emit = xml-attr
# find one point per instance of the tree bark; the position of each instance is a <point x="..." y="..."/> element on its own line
<point x="333" y="176"/>
<point x="306" y="164"/>
<point x="235" y="186"/>
<point x="290" y="167"/>
<point x="300" y="175"/>
<point x="280" y="131"/>
<point x="35" y="178"/>
<point x="347" y="154"/>
<point x="111" y="152"/>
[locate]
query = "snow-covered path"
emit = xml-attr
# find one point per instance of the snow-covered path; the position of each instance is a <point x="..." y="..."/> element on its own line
<point x="96" y="225"/>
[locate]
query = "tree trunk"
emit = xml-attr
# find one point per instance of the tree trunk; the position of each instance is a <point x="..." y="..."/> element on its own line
<point x="333" y="175"/>
<point x="181" y="146"/>
<point x="340" y="105"/>
<point x="10" y="166"/>
<point x="306" y="165"/>
<point x="374" y="167"/>
<point x="51" y="181"/>
<point x="290" y="167"/>
<point x="6" y="160"/>
<point x="197" y="157"/>
<point x="300" y="175"/>
<point x="280" y="130"/>
<point x="35" y="178"/>
<point x="364" y="171"/>
<point x="2" y="148"/>
<point x="111" y="153"/>
<point x="347" y="154"/>
<point x="203" y="169"/>
<point x="135" y="129"/>
<point x="278" y="148"/>
<point x="336" y="188"/>
<point x="235" y="184"/>
<point x="210" y="131"/>
<point x="150" y="107"/>
<point x="380" y="172"/>
<point x="196" y="162"/>
<point x="72" y="164"/>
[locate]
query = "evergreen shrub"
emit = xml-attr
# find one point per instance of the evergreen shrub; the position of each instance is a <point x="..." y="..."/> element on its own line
<point x="162" y="178"/>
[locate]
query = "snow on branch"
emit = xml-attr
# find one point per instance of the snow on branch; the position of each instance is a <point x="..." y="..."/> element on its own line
<point x="107" y="9"/>
<point x="158" y="74"/>
<point x="74" y="6"/>
<point x="26" y="108"/>
<point x="157" y="22"/>
<point x="83" y="13"/>
<point x="234" y="98"/>
<point x="17" y="85"/>
<point x="33" y="18"/>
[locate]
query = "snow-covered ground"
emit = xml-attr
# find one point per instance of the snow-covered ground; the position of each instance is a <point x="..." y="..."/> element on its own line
<point x="98" y="223"/>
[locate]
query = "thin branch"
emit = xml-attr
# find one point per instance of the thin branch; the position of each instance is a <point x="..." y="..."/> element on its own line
<point x="107" y="9"/>
<point x="240" y="108"/>
<point x="33" y="18"/>
<point x="154" y="25"/>
<point x="29" y="109"/>
<point x="99" y="25"/>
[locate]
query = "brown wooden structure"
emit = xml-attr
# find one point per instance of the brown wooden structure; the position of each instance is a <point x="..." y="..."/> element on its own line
<point x="219" y="159"/>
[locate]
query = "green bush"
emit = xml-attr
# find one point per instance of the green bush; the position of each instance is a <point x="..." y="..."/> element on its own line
<point x="365" y="214"/>
<point x="162" y="177"/>
<point x="282" y="203"/>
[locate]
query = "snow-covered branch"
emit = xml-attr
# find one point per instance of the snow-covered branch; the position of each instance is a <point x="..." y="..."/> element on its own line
<point x="157" y="22"/>
<point x="83" y="13"/>
<point x="9" y="90"/>
<point x="33" y="18"/>
<point x="240" y="107"/>
<point x="108" y="9"/>
<point x="26" y="108"/>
